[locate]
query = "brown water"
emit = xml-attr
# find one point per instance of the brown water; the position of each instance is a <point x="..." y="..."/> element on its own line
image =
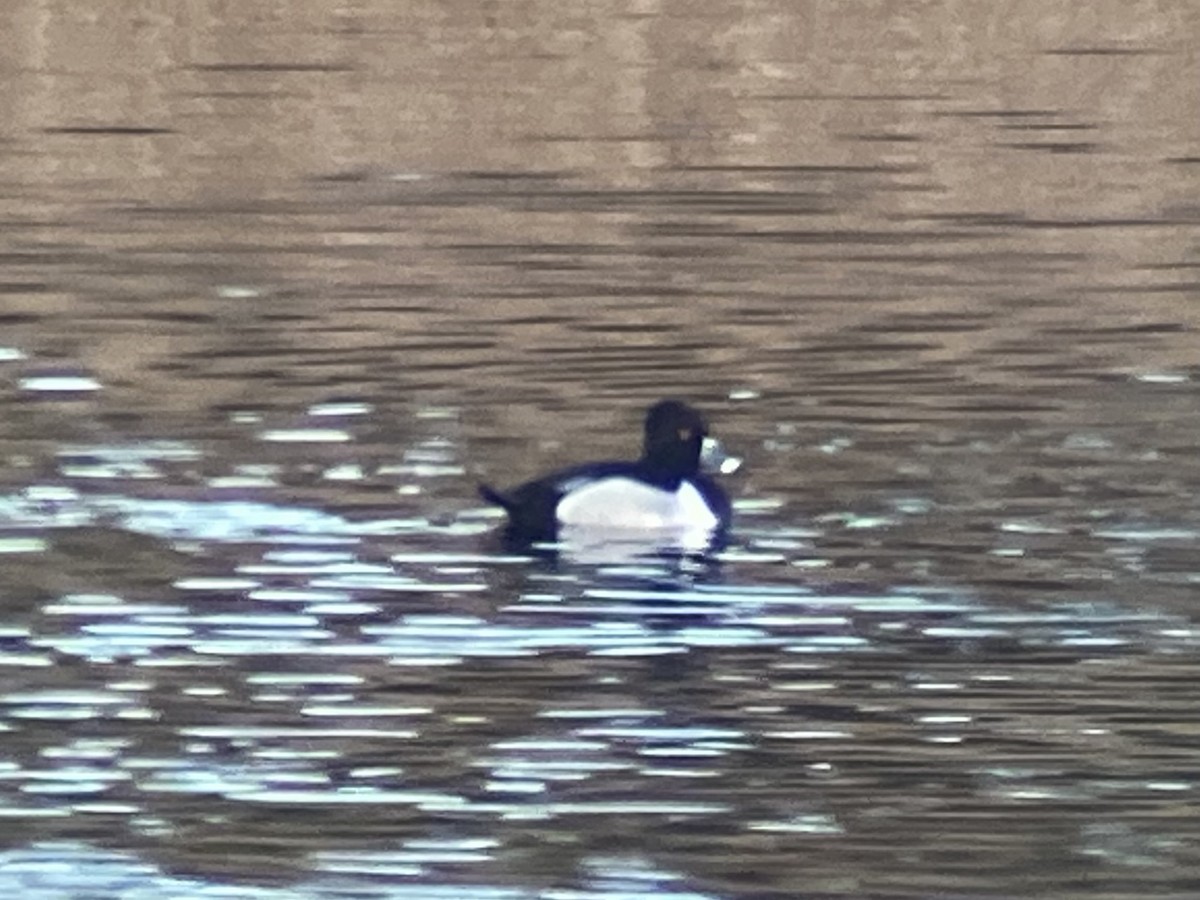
<point x="281" y="282"/>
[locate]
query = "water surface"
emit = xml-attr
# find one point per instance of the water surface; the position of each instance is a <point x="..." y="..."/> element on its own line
<point x="281" y="283"/>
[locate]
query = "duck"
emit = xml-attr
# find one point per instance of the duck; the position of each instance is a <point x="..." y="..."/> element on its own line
<point x="664" y="496"/>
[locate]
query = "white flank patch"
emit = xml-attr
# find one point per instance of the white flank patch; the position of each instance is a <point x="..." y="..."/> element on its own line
<point x="621" y="504"/>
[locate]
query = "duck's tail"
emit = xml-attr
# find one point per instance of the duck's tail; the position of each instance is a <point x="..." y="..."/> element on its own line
<point x="493" y="496"/>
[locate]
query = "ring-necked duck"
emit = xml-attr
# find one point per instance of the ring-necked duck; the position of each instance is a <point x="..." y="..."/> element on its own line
<point x="662" y="495"/>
